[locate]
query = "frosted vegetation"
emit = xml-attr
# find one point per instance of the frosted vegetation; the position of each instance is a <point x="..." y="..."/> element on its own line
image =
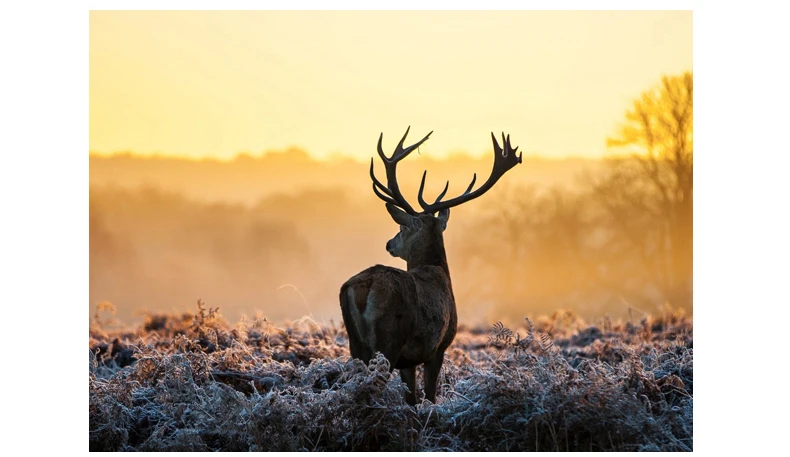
<point x="193" y="382"/>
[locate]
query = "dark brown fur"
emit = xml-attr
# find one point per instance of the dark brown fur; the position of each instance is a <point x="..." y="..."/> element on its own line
<point x="409" y="316"/>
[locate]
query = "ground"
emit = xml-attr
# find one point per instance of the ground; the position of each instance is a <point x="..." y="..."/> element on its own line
<point x="194" y="383"/>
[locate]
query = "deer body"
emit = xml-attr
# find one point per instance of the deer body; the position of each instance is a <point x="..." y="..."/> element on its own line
<point x="400" y="314"/>
<point x="409" y="316"/>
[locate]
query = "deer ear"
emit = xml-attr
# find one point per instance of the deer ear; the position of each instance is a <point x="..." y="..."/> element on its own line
<point x="398" y="215"/>
<point x="444" y="216"/>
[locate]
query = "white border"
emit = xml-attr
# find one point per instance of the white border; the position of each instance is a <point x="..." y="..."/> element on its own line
<point x="741" y="229"/>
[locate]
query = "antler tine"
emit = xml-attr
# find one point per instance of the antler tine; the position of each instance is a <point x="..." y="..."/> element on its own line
<point x="512" y="148"/>
<point x="508" y="148"/>
<point x="471" y="184"/>
<point x="446" y="186"/>
<point x="497" y="149"/>
<point x="400" y="153"/>
<point x="422" y="201"/>
<point x="376" y="182"/>
<point x="392" y="189"/>
<point x="504" y="160"/>
<point x="381" y="151"/>
<point x="383" y="197"/>
<point x="399" y="149"/>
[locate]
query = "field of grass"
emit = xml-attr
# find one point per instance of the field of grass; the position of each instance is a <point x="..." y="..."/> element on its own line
<point x="193" y="382"/>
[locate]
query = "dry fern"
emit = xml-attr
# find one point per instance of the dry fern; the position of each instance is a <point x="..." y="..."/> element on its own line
<point x="196" y="384"/>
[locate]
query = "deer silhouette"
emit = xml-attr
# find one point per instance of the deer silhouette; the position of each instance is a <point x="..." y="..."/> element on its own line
<point x="410" y="315"/>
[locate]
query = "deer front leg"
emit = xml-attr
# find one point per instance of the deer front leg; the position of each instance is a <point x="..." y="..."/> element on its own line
<point x="409" y="376"/>
<point x="432" y="369"/>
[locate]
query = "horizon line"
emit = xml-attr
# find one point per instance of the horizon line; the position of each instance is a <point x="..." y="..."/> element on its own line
<point x="330" y="158"/>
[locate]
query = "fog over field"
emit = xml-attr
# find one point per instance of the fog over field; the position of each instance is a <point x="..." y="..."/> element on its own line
<point x="276" y="234"/>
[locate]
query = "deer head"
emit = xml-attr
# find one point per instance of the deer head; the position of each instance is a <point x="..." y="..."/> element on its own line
<point x="416" y="232"/>
<point x="420" y="230"/>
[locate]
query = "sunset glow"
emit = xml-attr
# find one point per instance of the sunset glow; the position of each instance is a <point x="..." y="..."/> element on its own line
<point x="214" y="84"/>
<point x="274" y="265"/>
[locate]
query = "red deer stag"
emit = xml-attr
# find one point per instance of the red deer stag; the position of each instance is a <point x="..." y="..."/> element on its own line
<point x="410" y="316"/>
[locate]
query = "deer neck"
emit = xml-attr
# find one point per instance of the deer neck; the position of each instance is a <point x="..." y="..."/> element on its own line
<point x="431" y="254"/>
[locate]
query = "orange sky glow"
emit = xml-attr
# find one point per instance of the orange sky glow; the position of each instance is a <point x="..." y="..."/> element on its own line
<point x="218" y="83"/>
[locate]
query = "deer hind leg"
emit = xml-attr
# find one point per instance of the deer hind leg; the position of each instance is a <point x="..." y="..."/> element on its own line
<point x="390" y="351"/>
<point x="352" y="320"/>
<point x="432" y="369"/>
<point x="409" y="376"/>
<point x="386" y="339"/>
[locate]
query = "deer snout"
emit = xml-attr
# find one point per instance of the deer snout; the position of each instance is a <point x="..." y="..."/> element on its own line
<point x="395" y="246"/>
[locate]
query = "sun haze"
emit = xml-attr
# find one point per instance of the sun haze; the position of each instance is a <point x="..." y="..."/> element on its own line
<point x="217" y="83"/>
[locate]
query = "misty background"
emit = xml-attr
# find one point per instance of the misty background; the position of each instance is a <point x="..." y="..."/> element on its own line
<point x="276" y="234"/>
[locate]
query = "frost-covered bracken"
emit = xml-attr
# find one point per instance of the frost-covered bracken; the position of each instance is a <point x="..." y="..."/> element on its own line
<point x="195" y="383"/>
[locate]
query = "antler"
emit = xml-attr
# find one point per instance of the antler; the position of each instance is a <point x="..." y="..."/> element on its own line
<point x="391" y="192"/>
<point x="504" y="160"/>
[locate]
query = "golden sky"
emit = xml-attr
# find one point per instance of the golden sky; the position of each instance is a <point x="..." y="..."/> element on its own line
<point x="216" y="83"/>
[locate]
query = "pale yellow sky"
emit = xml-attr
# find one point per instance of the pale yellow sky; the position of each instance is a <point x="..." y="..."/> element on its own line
<point x="216" y="83"/>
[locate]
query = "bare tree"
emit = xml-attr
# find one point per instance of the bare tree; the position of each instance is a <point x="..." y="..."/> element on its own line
<point x="624" y="237"/>
<point x="646" y="198"/>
